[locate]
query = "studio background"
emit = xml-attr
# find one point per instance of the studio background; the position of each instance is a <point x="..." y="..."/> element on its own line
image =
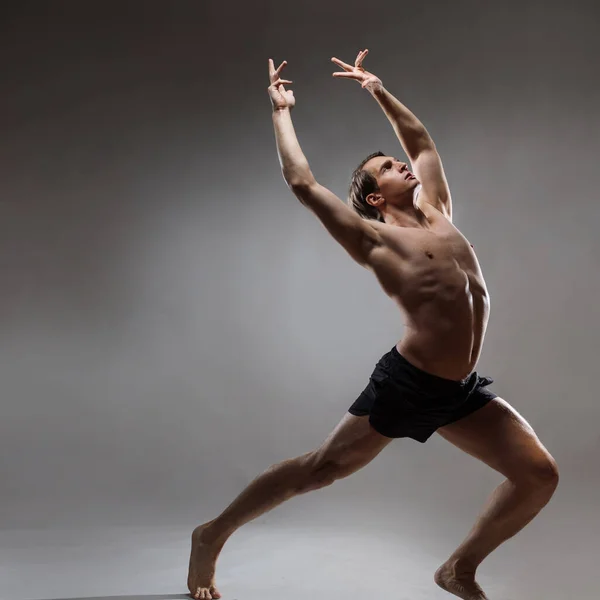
<point x="173" y="321"/>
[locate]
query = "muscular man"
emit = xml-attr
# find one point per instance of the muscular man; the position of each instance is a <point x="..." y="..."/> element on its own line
<point x="398" y="224"/>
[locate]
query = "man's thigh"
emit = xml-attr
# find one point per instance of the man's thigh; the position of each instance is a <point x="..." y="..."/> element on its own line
<point x="351" y="445"/>
<point x="500" y="437"/>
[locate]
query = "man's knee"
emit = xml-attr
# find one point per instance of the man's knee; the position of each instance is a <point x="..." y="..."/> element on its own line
<point x="547" y="473"/>
<point x="542" y="473"/>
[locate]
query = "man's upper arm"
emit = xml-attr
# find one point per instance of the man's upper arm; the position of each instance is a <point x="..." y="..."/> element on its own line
<point x="354" y="233"/>
<point x="428" y="168"/>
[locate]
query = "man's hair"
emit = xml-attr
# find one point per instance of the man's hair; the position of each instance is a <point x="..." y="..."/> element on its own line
<point x="361" y="185"/>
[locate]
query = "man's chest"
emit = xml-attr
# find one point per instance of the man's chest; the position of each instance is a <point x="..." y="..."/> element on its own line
<point x="438" y="245"/>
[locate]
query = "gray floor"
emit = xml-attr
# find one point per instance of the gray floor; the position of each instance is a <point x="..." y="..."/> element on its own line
<point x="347" y="554"/>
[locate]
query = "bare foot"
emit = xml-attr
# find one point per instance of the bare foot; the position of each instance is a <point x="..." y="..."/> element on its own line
<point x="459" y="583"/>
<point x="203" y="558"/>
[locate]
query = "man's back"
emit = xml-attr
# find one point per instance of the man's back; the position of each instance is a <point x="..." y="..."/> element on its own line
<point x="433" y="275"/>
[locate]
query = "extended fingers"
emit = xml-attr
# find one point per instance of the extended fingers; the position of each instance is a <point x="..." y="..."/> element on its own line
<point x="342" y="64"/>
<point x="280" y="81"/>
<point x="273" y="72"/>
<point x="280" y="68"/>
<point x="361" y="56"/>
<point x="346" y="75"/>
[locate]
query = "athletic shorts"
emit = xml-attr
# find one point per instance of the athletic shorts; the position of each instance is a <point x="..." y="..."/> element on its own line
<point x="404" y="401"/>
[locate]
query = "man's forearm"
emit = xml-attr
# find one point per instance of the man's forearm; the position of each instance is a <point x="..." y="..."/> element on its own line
<point x="410" y="131"/>
<point x="294" y="166"/>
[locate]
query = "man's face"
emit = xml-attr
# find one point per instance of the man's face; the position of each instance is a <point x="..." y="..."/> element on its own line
<point x="392" y="175"/>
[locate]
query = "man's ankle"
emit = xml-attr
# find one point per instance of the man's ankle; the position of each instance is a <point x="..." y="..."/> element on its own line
<point x="462" y="565"/>
<point x="213" y="535"/>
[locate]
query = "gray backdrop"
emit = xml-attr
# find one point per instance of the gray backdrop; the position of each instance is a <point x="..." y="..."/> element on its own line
<point x="173" y="321"/>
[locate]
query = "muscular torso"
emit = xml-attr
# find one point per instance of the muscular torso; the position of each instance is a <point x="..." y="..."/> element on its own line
<point x="433" y="275"/>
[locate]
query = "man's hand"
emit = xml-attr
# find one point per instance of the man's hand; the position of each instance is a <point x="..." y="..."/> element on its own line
<point x="280" y="97"/>
<point x="367" y="80"/>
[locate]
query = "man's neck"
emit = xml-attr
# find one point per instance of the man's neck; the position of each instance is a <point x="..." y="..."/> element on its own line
<point x="405" y="216"/>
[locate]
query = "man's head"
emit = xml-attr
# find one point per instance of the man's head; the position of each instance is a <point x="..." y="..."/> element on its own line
<point x="379" y="182"/>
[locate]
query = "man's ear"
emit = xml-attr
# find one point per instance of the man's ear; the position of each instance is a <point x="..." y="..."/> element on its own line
<point x="375" y="199"/>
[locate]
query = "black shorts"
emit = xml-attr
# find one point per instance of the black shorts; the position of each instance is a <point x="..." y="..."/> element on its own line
<point x="404" y="401"/>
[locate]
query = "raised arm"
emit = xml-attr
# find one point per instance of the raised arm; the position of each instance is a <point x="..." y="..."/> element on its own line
<point x="355" y="234"/>
<point x="415" y="139"/>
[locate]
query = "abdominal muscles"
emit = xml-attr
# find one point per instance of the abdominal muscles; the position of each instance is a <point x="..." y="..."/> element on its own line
<point x="446" y="309"/>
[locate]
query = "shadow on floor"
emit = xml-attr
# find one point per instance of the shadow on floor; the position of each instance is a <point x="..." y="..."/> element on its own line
<point x="136" y="597"/>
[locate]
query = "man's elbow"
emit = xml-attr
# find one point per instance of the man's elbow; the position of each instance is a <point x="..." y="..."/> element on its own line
<point x="300" y="183"/>
<point x="297" y="173"/>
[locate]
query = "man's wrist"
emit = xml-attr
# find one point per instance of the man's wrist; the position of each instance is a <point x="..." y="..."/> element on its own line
<point x="376" y="89"/>
<point x="281" y="110"/>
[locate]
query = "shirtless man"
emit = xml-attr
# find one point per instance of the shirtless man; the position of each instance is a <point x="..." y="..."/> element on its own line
<point x="398" y="224"/>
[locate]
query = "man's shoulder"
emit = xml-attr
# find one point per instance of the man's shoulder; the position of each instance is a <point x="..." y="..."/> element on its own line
<point x="432" y="207"/>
